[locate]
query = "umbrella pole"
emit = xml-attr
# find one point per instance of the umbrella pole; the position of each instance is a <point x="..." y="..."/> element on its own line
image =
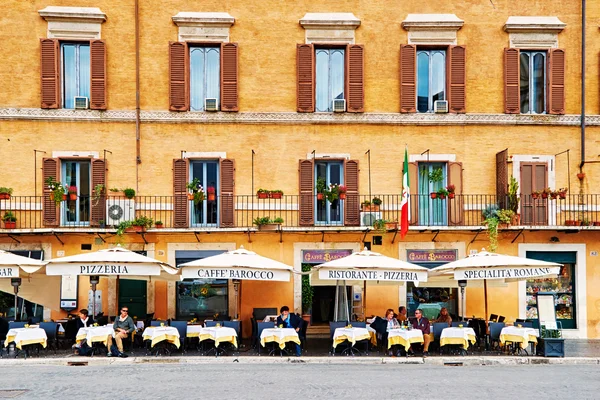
<point x="335" y="311"/>
<point x="17" y="316"/>
<point x="364" y="302"/>
<point x="485" y="296"/>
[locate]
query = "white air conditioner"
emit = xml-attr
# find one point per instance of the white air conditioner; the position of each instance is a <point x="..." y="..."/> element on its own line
<point x="367" y="218"/>
<point x="440" y="106"/>
<point x="119" y="210"/>
<point x="211" y="105"/>
<point x="339" y="105"/>
<point x="81" y="103"/>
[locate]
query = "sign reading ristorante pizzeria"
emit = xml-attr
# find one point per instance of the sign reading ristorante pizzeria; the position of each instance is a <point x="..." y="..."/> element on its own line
<point x="505" y="273"/>
<point x="431" y="256"/>
<point x="372" y="275"/>
<point x="236" y="273"/>
<point x="9" y="272"/>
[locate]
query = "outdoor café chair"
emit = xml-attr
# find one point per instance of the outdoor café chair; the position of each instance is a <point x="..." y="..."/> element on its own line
<point x="302" y="335"/>
<point x="209" y="324"/>
<point x="501" y="318"/>
<point x="51" y="329"/>
<point x="493" y="318"/>
<point x="181" y="327"/>
<point x="495" y="330"/>
<point x="16" y="324"/>
<point x="438" y="327"/>
<point x="254" y="330"/>
<point x="260" y="327"/>
<point x="157" y="323"/>
<point x="332" y="327"/>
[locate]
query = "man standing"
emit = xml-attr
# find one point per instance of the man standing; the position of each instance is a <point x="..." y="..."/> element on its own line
<point x="290" y="321"/>
<point x="422" y="323"/>
<point x="123" y="327"/>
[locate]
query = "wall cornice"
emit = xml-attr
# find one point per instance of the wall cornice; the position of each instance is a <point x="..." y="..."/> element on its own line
<point x="294" y="118"/>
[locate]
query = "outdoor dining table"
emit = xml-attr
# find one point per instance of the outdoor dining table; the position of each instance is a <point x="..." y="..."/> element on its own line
<point x="352" y="335"/>
<point x="523" y="336"/>
<point x="26" y="336"/>
<point x="280" y="336"/>
<point x="95" y="334"/>
<point x="404" y="337"/>
<point x="458" y="336"/>
<point x="157" y="334"/>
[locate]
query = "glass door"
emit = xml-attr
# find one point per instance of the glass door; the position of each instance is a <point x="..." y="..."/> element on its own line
<point x="76" y="177"/>
<point x="432" y="177"/>
<point x="329" y="211"/>
<point x="205" y="213"/>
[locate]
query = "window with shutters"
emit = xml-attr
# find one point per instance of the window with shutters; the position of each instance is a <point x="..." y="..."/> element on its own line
<point x="532" y="83"/>
<point x="75" y="72"/>
<point x="431" y="78"/>
<point x="433" y="176"/>
<point x="328" y="210"/>
<point x="330" y="78"/>
<point x="76" y="177"/>
<point x="205" y="78"/>
<point x="205" y="212"/>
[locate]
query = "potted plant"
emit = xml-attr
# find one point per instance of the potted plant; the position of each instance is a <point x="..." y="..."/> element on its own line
<point x="513" y="200"/>
<point x="551" y="343"/>
<point x="97" y="193"/>
<point x="442" y="193"/>
<point x="391" y="225"/>
<point x="276" y="194"/>
<point x="10" y="220"/>
<point x="376" y="202"/>
<point x="196" y="191"/>
<point x="450" y="189"/>
<point x="332" y="193"/>
<point x="436" y="175"/>
<point x="433" y="195"/>
<point x="5" y="193"/>
<point x="129" y="193"/>
<point x="321" y="186"/>
<point x="536" y="194"/>
<point x="307" y="294"/>
<point x="365" y="205"/>
<point x="262" y="193"/>
<point x="116" y="192"/>
<point x="210" y="193"/>
<point x="562" y="193"/>
<point x="102" y="224"/>
<point x="158" y="224"/>
<point x="379" y="225"/>
<point x="545" y="193"/>
<point x="342" y="192"/>
<point x="490" y="219"/>
<point x="57" y="190"/>
<point x="504" y="217"/>
<point x="267" y="224"/>
<point x="141" y="223"/>
<point x="72" y="192"/>
<point x="581" y="176"/>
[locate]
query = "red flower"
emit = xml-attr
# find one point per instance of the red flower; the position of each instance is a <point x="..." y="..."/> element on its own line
<point x="210" y="189"/>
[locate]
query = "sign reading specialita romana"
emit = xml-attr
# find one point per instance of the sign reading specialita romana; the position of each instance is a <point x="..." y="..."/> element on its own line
<point x="9" y="272"/>
<point x="372" y="275"/>
<point x="505" y="273"/>
<point x="236" y="273"/>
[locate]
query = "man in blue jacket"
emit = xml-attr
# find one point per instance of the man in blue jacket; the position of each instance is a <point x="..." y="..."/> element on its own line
<point x="290" y="321"/>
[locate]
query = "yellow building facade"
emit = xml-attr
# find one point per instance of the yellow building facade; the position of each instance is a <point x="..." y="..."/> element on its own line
<point x="90" y="89"/>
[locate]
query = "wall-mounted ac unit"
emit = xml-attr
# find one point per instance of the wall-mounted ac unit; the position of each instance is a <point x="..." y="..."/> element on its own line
<point x="211" y="105"/>
<point x="440" y="106"/>
<point x="81" y="103"/>
<point x="339" y="105"/>
<point x="367" y="218"/>
<point x="119" y="210"/>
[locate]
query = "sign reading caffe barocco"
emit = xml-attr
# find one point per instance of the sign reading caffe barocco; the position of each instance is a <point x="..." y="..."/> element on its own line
<point x="505" y="273"/>
<point x="372" y="275"/>
<point x="9" y="272"/>
<point x="236" y="273"/>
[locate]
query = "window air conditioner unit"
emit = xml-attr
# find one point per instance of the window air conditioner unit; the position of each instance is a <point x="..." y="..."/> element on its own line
<point x="81" y="103"/>
<point x="440" y="106"/>
<point x="118" y="210"/>
<point x="367" y="218"/>
<point x="339" y="105"/>
<point x="211" y="105"/>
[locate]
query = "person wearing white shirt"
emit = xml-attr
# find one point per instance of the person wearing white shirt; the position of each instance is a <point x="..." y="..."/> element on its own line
<point x="84" y="320"/>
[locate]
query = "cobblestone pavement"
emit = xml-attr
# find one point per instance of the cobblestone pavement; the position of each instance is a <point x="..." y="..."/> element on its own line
<point x="297" y="381"/>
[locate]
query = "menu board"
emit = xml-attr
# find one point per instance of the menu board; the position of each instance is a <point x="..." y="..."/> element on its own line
<point x="546" y="310"/>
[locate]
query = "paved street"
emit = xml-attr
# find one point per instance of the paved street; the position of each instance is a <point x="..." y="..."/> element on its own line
<point x="285" y="381"/>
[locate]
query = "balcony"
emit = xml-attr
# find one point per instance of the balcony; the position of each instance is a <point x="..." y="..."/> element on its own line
<point x="461" y="212"/>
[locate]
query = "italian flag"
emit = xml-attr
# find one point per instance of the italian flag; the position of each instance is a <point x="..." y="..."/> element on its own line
<point x="404" y="204"/>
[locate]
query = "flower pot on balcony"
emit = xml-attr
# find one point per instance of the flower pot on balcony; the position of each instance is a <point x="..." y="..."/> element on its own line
<point x="515" y="219"/>
<point x="442" y="196"/>
<point x="503" y="225"/>
<point x="544" y="195"/>
<point x="276" y="195"/>
<point x="581" y="175"/>
<point x="372" y="207"/>
<point x="10" y="225"/>
<point x="72" y="196"/>
<point x="433" y="195"/>
<point x="390" y="226"/>
<point x="342" y="196"/>
<point x="269" y="227"/>
<point x="569" y="222"/>
<point x="135" y="228"/>
<point x="535" y="196"/>
<point x="596" y="223"/>
<point x="562" y="195"/>
<point x="262" y="195"/>
<point x="450" y="195"/>
<point x="210" y="196"/>
<point x="4" y="196"/>
<point x="320" y="196"/>
<point x="190" y="196"/>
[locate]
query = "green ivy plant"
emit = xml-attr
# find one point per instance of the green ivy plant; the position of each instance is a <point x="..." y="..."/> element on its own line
<point x="307" y="290"/>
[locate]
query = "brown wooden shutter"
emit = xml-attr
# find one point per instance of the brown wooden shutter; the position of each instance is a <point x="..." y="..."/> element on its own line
<point x="98" y="205"/>
<point x="408" y="78"/>
<point x="534" y="177"/>
<point x="227" y="168"/>
<point x="98" y="75"/>
<point x="306" y="172"/>
<point x="49" y="67"/>
<point x="355" y="78"/>
<point x="229" y="77"/>
<point x="180" y="200"/>
<point x="502" y="178"/>
<point x="455" y="205"/>
<point x="556" y="81"/>
<point x="512" y="77"/>
<point x="413" y="180"/>
<point x="457" y="77"/>
<point x="305" y="69"/>
<point x="352" y="203"/>
<point x="179" y="73"/>
<point x="50" y="168"/>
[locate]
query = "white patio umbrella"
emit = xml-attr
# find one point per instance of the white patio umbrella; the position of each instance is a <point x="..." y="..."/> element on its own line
<point x="370" y="266"/>
<point x="10" y="267"/>
<point x="497" y="267"/>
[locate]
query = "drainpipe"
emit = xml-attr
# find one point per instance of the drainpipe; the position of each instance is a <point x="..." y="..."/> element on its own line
<point x="138" y="158"/>
<point x="582" y="85"/>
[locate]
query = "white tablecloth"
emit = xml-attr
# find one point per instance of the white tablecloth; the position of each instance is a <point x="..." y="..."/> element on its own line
<point x="157" y="334"/>
<point x="404" y="337"/>
<point x="352" y="335"/>
<point x="460" y="336"/>
<point x="279" y="335"/>
<point x="95" y="334"/>
<point x="219" y="335"/>
<point x="25" y="336"/>
<point x="518" y="335"/>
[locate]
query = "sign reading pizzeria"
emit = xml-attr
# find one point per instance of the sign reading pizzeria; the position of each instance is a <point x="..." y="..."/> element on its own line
<point x="431" y="256"/>
<point x="323" y="256"/>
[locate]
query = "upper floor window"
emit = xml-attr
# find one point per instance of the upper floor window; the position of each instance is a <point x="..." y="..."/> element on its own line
<point x="205" y="76"/>
<point x="205" y="212"/>
<point x="75" y="72"/>
<point x="431" y="78"/>
<point x="533" y="82"/>
<point x="329" y="78"/>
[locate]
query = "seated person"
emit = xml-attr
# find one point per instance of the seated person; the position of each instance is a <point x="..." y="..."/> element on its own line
<point x="391" y="323"/>
<point x="422" y="323"/>
<point x="444" y="316"/>
<point x="402" y="314"/>
<point x="290" y="321"/>
<point x="84" y="320"/>
<point x="123" y="327"/>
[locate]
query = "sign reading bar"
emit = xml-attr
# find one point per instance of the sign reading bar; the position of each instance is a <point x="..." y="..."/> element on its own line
<point x="236" y="273"/>
<point x="431" y="256"/>
<point x="505" y="273"/>
<point x="372" y="275"/>
<point x="9" y="272"/>
<point x="323" y="256"/>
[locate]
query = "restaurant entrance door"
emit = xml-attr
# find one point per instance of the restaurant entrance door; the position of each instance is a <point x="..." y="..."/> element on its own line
<point x="132" y="294"/>
<point x="323" y="307"/>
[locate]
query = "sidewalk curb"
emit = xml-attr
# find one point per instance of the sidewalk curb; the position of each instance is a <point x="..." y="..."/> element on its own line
<point x="434" y="361"/>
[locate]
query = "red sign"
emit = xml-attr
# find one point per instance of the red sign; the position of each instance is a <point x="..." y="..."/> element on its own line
<point x="322" y="256"/>
<point x="431" y="256"/>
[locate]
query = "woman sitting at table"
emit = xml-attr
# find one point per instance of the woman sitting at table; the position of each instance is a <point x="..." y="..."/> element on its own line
<point x="444" y="316"/>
